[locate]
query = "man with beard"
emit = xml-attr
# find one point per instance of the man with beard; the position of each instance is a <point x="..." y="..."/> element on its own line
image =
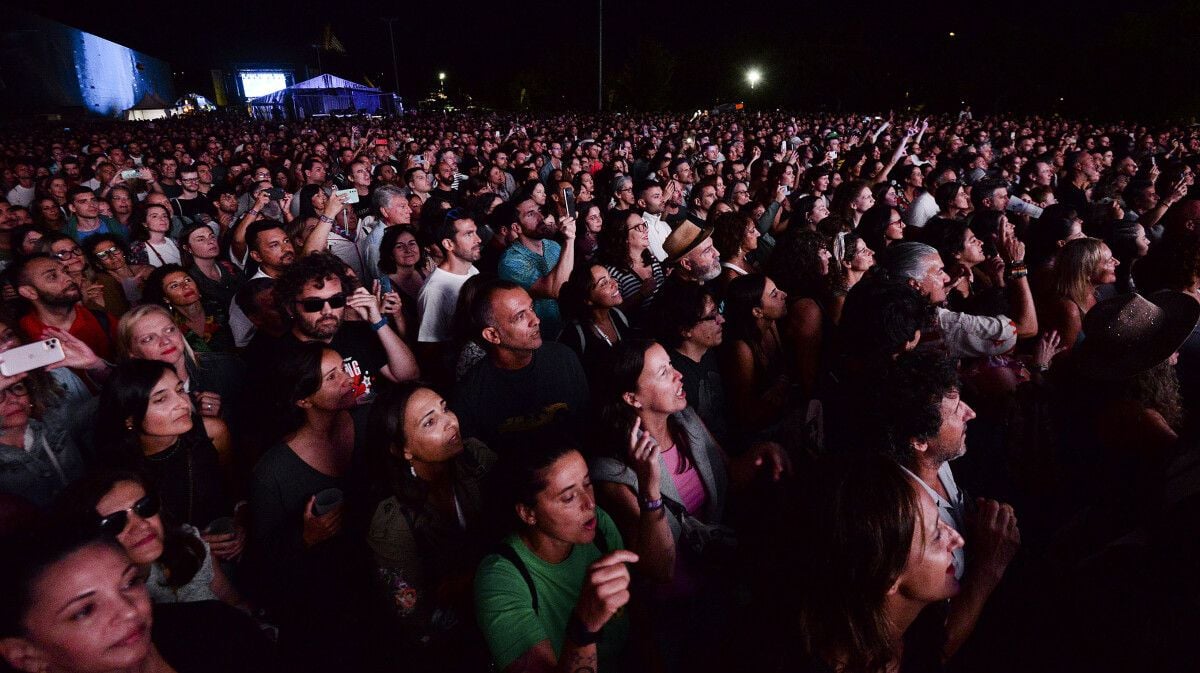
<point x="537" y="263"/>
<point x="272" y="250"/>
<point x="650" y="200"/>
<point x="191" y="203"/>
<point x="57" y="302"/>
<point x="313" y="294"/>
<point x="691" y="253"/>
<point x="458" y="237"/>
<point x="922" y="421"/>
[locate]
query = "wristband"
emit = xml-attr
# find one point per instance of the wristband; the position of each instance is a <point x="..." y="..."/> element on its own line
<point x="254" y="211"/>
<point x="325" y="219"/>
<point x="648" y="506"/>
<point x="379" y="325"/>
<point x="578" y="633"/>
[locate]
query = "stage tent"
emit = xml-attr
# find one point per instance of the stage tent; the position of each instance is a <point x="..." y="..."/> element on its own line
<point x="324" y="95"/>
<point x="149" y="107"/>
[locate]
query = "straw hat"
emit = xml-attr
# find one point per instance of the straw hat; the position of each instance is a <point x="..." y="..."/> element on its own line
<point x="1129" y="334"/>
<point x="684" y="239"/>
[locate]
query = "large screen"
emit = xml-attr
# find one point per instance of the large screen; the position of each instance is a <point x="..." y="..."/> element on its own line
<point x="256" y="84"/>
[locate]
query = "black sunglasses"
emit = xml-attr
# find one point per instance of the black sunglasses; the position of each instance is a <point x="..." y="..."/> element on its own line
<point x="113" y="524"/>
<point x="315" y="305"/>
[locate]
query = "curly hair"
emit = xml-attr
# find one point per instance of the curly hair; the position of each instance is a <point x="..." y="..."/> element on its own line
<point x="909" y="402"/>
<point x="795" y="265"/>
<point x="315" y="268"/>
<point x="614" y="240"/>
<point x="728" y="231"/>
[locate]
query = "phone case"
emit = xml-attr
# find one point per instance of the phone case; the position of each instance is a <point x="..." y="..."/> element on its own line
<point x="31" y="356"/>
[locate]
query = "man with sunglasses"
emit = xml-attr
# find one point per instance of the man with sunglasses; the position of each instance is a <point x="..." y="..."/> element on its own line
<point x="314" y="294"/>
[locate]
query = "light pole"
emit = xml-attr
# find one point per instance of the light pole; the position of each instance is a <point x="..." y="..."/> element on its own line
<point x="391" y="36"/>
<point x="600" y="61"/>
<point x="753" y="77"/>
<point x="442" y="82"/>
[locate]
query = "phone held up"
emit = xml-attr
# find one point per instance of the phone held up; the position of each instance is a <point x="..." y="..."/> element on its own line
<point x="31" y="356"/>
<point x="569" y="201"/>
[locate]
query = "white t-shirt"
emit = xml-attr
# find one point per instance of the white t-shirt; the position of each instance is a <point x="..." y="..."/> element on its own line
<point x="436" y="304"/>
<point x="163" y="253"/>
<point x="658" y="231"/>
<point x="21" y="196"/>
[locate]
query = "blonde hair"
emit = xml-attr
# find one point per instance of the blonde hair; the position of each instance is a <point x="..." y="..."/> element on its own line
<point x="1077" y="263"/>
<point x="131" y="317"/>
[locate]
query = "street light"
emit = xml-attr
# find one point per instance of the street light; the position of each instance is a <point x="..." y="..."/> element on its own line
<point x="753" y="77"/>
<point x="441" y="77"/>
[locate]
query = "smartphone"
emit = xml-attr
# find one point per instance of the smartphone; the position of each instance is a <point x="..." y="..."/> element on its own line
<point x="275" y="193"/>
<point x="31" y="356"/>
<point x="348" y="195"/>
<point x="129" y="175"/>
<point x="381" y="141"/>
<point x="569" y="201"/>
<point x="385" y="284"/>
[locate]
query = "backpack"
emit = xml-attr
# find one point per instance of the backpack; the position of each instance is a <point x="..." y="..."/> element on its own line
<point x="509" y="554"/>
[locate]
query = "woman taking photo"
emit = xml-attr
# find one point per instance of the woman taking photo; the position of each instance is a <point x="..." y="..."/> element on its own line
<point x="1083" y="265"/>
<point x="153" y="246"/>
<point x="204" y="327"/>
<point x="554" y="590"/>
<point x="179" y="563"/>
<point x="424" y="530"/>
<point x="625" y="252"/>
<point x="753" y="362"/>
<point x="122" y="281"/>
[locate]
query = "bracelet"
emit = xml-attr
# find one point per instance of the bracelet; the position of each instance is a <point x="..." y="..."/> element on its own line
<point x="1016" y="263"/>
<point x="325" y="219"/>
<point x="1040" y="368"/>
<point x="648" y="506"/>
<point x="1017" y="274"/>
<point x="379" y="325"/>
<point x="253" y="211"/>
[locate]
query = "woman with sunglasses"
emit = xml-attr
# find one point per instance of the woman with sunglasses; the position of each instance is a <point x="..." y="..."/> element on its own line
<point x="121" y="280"/>
<point x="205" y="325"/>
<point x="146" y="421"/>
<point x="152" y="245"/>
<point x="625" y="252"/>
<point x="125" y="506"/>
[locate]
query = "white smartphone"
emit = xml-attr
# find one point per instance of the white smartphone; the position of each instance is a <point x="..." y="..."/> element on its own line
<point x="348" y="195"/>
<point x="31" y="356"/>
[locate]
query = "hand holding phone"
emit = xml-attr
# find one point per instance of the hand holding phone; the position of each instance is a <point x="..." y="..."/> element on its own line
<point x="31" y="356"/>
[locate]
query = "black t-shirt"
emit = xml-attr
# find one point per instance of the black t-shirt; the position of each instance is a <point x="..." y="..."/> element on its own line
<point x="704" y="389"/>
<point x="190" y="208"/>
<point x="492" y="402"/>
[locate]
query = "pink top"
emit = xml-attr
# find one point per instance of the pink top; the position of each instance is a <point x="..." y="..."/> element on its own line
<point x="691" y="489"/>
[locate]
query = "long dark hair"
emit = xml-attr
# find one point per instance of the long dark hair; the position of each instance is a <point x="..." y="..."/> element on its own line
<point x="125" y="398"/>
<point x="183" y="553"/>
<point x="520" y="475"/>
<point x="623" y="369"/>
<point x="153" y="292"/>
<point x="860" y="514"/>
<point x="796" y="265"/>
<point x="385" y="436"/>
<point x="614" y="240"/>
<point x="743" y="296"/>
<point x="297" y="375"/>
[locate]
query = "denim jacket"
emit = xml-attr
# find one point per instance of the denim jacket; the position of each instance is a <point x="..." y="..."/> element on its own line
<point x="44" y="466"/>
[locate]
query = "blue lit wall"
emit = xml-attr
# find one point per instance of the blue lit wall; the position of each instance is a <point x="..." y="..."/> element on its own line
<point x="46" y="66"/>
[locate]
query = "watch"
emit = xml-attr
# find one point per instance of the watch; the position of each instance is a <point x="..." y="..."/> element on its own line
<point x="578" y="633"/>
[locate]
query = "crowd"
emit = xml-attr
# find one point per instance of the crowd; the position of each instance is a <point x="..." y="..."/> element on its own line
<point x="636" y="392"/>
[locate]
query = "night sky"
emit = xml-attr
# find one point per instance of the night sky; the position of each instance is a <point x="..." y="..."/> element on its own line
<point x="1102" y="61"/>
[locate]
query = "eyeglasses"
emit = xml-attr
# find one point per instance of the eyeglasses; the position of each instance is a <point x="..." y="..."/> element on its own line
<point x="114" y="250"/>
<point x="114" y="524"/>
<point x="639" y="227"/>
<point x="68" y="254"/>
<point x="19" y="389"/>
<point x="604" y="282"/>
<point x="316" y="304"/>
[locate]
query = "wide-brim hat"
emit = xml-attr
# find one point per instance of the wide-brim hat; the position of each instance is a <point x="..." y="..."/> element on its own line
<point x="684" y="239"/>
<point x="1129" y="334"/>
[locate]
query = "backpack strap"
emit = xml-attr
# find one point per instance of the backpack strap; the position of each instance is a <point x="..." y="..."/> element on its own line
<point x="509" y="554"/>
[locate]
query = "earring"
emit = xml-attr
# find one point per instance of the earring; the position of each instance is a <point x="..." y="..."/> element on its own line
<point x="412" y="470"/>
<point x="129" y="425"/>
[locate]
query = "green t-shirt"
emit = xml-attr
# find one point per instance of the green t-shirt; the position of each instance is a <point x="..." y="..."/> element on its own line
<point x="505" y="610"/>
